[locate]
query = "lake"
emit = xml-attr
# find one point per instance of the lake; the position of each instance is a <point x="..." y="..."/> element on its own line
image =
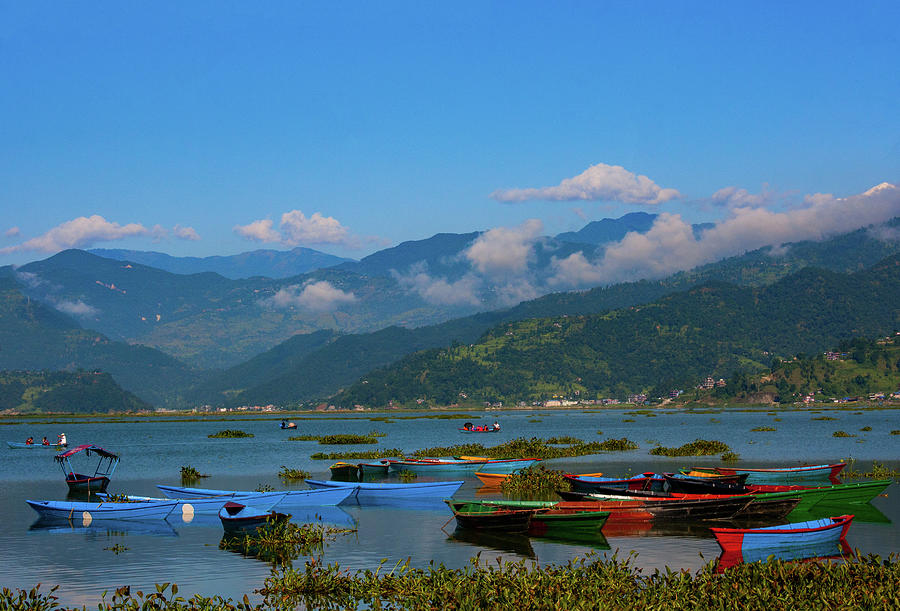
<point x="87" y="561"/>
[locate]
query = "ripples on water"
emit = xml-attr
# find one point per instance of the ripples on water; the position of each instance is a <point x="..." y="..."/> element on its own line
<point x="79" y="559"/>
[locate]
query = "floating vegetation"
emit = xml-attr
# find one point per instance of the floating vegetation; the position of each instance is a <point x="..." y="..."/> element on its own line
<point x="842" y="434"/>
<point x="866" y="429"/>
<point x="563" y="439"/>
<point x="393" y="417"/>
<point x="265" y="488"/>
<point x="618" y="445"/>
<point x="597" y="582"/>
<point x="407" y="476"/>
<point x="599" y="432"/>
<point x="699" y="447"/>
<point x="229" y="433"/>
<point x="730" y="456"/>
<point x="878" y="471"/>
<point x="280" y="541"/>
<point x="777" y="420"/>
<point x="895" y="432"/>
<point x="824" y="418"/>
<point x="524" y="448"/>
<point x="535" y="420"/>
<point x="117" y="549"/>
<point x="118" y="498"/>
<point x="715" y="420"/>
<point x="629" y="420"/>
<point x="293" y="475"/>
<point x="763" y="428"/>
<point x="388" y="453"/>
<point x="534" y="480"/>
<point x="346" y="439"/>
<point x="190" y="474"/>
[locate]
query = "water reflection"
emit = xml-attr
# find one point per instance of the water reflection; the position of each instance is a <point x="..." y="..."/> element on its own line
<point x="109" y="528"/>
<point x="820" y="551"/>
<point x="514" y="543"/>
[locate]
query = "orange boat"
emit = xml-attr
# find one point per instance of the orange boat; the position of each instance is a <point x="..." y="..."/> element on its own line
<point x="493" y="480"/>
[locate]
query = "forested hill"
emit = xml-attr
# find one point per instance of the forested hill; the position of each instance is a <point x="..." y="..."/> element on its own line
<point x="712" y="329"/>
<point x="79" y="392"/>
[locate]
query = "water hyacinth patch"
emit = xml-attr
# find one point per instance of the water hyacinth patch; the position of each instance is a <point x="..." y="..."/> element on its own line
<point x="388" y="453"/>
<point x="229" y="433"/>
<point x="528" y="448"/>
<point x="293" y="475"/>
<point x="763" y="428"/>
<point x="699" y="447"/>
<point x="534" y="480"/>
<point x="281" y="541"/>
<point x="842" y="434"/>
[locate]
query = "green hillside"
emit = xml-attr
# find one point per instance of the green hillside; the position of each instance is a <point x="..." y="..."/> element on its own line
<point x="36" y="337"/>
<point x="712" y="329"/>
<point x="63" y="392"/>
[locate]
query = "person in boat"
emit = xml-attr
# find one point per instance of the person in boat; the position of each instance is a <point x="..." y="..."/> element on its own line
<point x="29" y="441"/>
<point x="45" y="442"/>
<point x="496" y="425"/>
<point x="283" y="424"/>
<point x="61" y="440"/>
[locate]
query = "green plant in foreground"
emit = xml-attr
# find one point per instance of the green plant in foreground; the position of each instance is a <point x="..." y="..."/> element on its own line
<point x="293" y="474"/>
<point x="535" y="480"/>
<point x="281" y="541"/>
<point x="229" y="433"/>
<point x="878" y="471"/>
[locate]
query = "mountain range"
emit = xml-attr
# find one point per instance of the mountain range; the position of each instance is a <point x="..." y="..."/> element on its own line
<point x="261" y="340"/>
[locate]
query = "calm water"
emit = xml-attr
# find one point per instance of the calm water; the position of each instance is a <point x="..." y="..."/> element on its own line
<point x="80" y="562"/>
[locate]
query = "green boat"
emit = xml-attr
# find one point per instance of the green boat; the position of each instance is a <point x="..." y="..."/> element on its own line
<point x="552" y="520"/>
<point x="837" y="494"/>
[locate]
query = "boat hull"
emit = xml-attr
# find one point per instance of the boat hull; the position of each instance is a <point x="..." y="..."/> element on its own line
<point x="787" y="474"/>
<point x="19" y="445"/>
<point x="813" y="532"/>
<point x="86" y="512"/>
<point x="238" y="518"/>
<point x="84" y="483"/>
<point x="295" y="498"/>
<point x="375" y="493"/>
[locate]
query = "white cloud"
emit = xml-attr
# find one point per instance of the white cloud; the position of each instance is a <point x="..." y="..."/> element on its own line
<point x="260" y="231"/>
<point x="78" y="233"/>
<point x="440" y="291"/>
<point x="296" y="229"/>
<point x="734" y="197"/>
<point x="599" y="182"/>
<point x="320" y="296"/>
<point x="12" y="232"/>
<point x="505" y="250"/>
<point x="185" y="233"/>
<point x="671" y="246"/>
<point x="76" y="308"/>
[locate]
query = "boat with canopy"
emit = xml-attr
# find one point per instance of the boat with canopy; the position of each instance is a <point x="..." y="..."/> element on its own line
<point x="80" y="481"/>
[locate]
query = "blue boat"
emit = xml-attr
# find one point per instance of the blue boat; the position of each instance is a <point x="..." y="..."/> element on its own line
<point x="186" y="509"/>
<point x="825" y="530"/>
<point x="292" y="498"/>
<point x="370" y="493"/>
<point x="238" y="518"/>
<point x="21" y="445"/>
<point x="86" y="512"/>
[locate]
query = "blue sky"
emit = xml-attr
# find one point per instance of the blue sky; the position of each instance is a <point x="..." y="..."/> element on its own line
<point x="207" y="128"/>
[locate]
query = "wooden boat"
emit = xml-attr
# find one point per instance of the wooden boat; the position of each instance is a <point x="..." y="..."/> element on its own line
<point x="426" y="466"/>
<point x="784" y="535"/>
<point x="374" y="468"/>
<point x="491" y="517"/>
<point x="288" y="425"/>
<point x="836" y="494"/>
<point x="21" y="445"/>
<point x="588" y="483"/>
<point x="344" y="471"/>
<point x="490" y="428"/>
<point x="86" y="512"/>
<point x="706" y="485"/>
<point x="493" y="480"/>
<point x="296" y="498"/>
<point x="785" y="474"/>
<point x="186" y="509"/>
<point x="80" y="481"/>
<point x="665" y="509"/>
<point x="238" y="518"/>
<point x="556" y="519"/>
<point x="374" y="493"/>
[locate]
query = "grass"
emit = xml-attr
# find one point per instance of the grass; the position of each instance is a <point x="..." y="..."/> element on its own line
<point x="699" y="447"/>
<point x="229" y="434"/>
<point x="388" y="453"/>
<point x="190" y="474"/>
<point x="529" y="448"/>
<point x="345" y="439"/>
<point x="281" y="541"/>
<point x="536" y="480"/>
<point x="878" y="471"/>
<point x="842" y="434"/>
<point x="763" y="428"/>
<point x="293" y="475"/>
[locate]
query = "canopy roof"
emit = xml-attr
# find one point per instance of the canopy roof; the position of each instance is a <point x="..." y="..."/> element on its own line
<point x="89" y="448"/>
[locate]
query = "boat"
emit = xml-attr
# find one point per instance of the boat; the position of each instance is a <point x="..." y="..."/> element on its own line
<point x="344" y="471"/>
<point x="494" y="480"/>
<point x="297" y="498"/>
<point x="288" y="425"/>
<point x="589" y="483"/>
<point x="554" y="519"/>
<point x="382" y="492"/>
<point x="374" y="468"/>
<point x="835" y="494"/>
<point x="784" y="474"/>
<point x="663" y="509"/>
<point x="783" y="535"/>
<point x="186" y="509"/>
<point x="491" y="517"/>
<point x="85" y="512"/>
<point x="238" y="518"/>
<point x="426" y="466"/>
<point x="726" y="484"/>
<point x="80" y="481"/>
<point x="21" y="445"/>
<point x="468" y="427"/>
